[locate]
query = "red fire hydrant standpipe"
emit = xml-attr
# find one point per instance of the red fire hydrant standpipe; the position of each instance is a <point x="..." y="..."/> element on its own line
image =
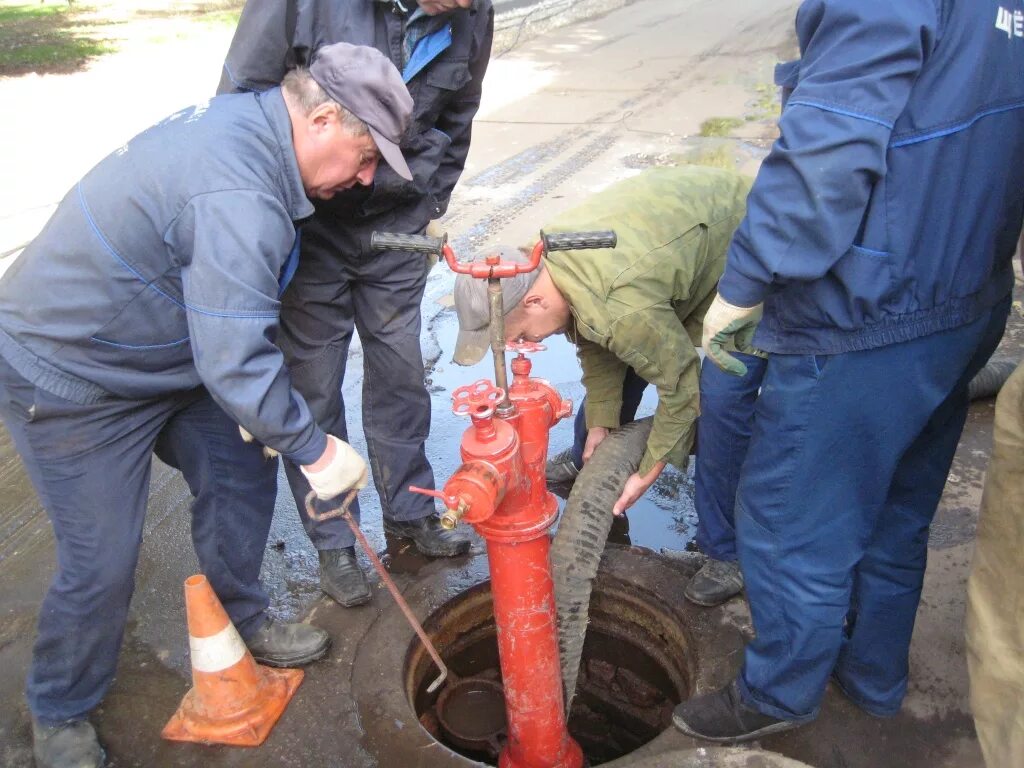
<point x="501" y="490"/>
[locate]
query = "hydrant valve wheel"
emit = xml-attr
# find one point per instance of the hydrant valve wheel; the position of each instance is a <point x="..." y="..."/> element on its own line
<point x="525" y="347"/>
<point x="477" y="399"/>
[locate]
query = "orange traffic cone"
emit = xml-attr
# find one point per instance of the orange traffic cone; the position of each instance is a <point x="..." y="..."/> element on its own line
<point x="233" y="699"/>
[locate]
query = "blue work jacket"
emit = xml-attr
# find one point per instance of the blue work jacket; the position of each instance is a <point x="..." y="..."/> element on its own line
<point x="889" y="207"/>
<point x="160" y="271"/>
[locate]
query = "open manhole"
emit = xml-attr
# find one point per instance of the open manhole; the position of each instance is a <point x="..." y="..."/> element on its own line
<point x="638" y="663"/>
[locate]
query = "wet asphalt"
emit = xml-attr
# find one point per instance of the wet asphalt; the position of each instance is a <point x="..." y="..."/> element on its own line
<point x="573" y="110"/>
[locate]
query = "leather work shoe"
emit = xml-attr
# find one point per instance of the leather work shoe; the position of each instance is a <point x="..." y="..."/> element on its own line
<point x="561" y="469"/>
<point x="68" y="745"/>
<point x="723" y="718"/>
<point x="715" y="582"/>
<point x="278" y="644"/>
<point x="341" y="577"/>
<point x="430" y="537"/>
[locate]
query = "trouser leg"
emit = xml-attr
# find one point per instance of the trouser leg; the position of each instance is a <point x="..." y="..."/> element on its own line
<point x="396" y="406"/>
<point x="829" y="433"/>
<point x="873" y="664"/>
<point x="633" y="387"/>
<point x="723" y="432"/>
<point x="315" y="333"/>
<point x="995" y="590"/>
<point x="90" y="465"/>
<point x="234" y="488"/>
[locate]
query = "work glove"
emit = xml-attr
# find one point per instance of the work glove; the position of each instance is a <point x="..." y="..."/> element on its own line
<point x="345" y="469"/>
<point x="268" y="453"/>
<point x="724" y="323"/>
<point x="434" y="229"/>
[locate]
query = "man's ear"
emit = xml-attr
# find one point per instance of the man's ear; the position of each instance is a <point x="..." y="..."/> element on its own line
<point x="533" y="302"/>
<point x="322" y="117"/>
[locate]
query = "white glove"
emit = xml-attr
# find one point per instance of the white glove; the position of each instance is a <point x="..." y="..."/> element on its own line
<point x="345" y="470"/>
<point x="723" y="323"/>
<point x="268" y="453"/>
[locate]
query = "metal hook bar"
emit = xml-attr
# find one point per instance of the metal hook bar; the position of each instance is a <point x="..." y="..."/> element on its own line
<point x="342" y="511"/>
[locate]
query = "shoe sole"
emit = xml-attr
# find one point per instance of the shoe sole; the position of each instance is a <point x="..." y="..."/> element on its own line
<point x="768" y="730"/>
<point x="294" y="661"/>
<point x="460" y="549"/>
<point x="349" y="602"/>
<point x="711" y="603"/>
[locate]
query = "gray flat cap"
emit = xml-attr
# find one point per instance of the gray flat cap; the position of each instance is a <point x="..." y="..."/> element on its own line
<point x="367" y="84"/>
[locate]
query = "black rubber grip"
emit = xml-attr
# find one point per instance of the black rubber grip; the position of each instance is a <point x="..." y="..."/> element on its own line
<point x="389" y="241"/>
<point x="571" y="241"/>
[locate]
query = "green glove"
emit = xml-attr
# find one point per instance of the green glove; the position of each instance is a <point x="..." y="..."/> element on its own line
<point x="725" y="323"/>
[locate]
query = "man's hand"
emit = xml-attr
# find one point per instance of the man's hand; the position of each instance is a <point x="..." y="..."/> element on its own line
<point x="268" y="453"/>
<point x="636" y="486"/>
<point x="595" y="436"/>
<point x="723" y="323"/>
<point x="338" y="469"/>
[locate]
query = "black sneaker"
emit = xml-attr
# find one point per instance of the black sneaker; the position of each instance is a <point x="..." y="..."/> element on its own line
<point x="278" y="644"/>
<point x="341" y="578"/>
<point x="561" y="470"/>
<point x="430" y="537"/>
<point x="715" y="582"/>
<point x="68" y="745"/>
<point x="723" y="718"/>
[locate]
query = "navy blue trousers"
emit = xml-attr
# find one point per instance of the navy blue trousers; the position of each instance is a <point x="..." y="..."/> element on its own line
<point x="332" y="295"/>
<point x="90" y="465"/>
<point x="723" y="431"/>
<point x="846" y="465"/>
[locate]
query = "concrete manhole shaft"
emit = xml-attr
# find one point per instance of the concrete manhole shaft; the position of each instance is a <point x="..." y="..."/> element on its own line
<point x="638" y="663"/>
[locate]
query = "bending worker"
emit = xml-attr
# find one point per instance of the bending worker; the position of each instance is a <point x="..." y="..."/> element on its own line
<point x="635" y="315"/>
<point x="442" y="48"/>
<point x="142" y="320"/>
<point x="878" y="239"/>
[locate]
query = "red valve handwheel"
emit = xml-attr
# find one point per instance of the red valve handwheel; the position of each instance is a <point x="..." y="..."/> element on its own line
<point x="477" y="399"/>
<point x="525" y="347"/>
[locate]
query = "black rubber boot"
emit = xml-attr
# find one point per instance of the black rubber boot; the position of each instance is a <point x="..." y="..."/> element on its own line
<point x="278" y="644"/>
<point x="430" y="537"/>
<point x="715" y="582"/>
<point x="341" y="578"/>
<point x="723" y="718"/>
<point x="68" y="745"/>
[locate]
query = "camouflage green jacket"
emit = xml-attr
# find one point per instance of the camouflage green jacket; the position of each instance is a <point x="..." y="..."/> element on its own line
<point x="642" y="304"/>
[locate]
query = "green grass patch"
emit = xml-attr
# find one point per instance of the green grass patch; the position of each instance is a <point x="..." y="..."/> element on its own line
<point x="721" y="156"/>
<point x="766" y="104"/>
<point x="47" y="38"/>
<point x="719" y="126"/>
<point x="63" y="36"/>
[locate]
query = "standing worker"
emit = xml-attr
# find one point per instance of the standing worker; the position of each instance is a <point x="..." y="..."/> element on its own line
<point x="635" y="315"/>
<point x="878" y="239"/>
<point x="442" y="48"/>
<point x="141" y="320"/>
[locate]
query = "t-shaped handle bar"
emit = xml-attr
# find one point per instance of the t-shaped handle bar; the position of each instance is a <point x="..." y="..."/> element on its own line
<point x="492" y="266"/>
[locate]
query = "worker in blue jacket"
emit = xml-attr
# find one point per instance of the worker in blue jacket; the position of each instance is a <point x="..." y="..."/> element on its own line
<point x="442" y="48"/>
<point x="878" y="244"/>
<point x="142" y="320"/>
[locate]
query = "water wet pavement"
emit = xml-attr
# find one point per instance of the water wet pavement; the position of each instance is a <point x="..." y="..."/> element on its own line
<point x="567" y="113"/>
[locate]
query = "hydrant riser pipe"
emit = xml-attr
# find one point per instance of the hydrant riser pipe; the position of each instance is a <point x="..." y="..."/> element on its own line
<point x="524" y="613"/>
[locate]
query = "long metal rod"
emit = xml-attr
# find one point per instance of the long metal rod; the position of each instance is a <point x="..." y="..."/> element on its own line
<point x="342" y="511"/>
<point x="497" y="325"/>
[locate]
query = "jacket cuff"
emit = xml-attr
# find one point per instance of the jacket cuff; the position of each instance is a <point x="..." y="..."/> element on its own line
<point x="741" y="291"/>
<point x="311" y="451"/>
<point x="603" y="414"/>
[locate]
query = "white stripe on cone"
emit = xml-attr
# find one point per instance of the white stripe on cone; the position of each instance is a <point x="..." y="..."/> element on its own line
<point x="217" y="652"/>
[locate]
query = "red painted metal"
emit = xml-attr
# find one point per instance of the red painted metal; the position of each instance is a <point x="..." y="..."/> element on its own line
<point x="500" y="489"/>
